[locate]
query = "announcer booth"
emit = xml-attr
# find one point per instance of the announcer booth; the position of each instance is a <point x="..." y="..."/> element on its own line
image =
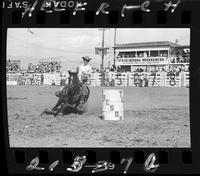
<point x="145" y="56"/>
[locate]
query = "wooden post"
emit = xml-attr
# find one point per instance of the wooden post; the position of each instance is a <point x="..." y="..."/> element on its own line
<point x="114" y="46"/>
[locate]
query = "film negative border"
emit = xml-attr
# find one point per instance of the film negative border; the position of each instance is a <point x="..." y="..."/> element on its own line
<point x="168" y="160"/>
<point x="160" y="17"/>
<point x="135" y="160"/>
<point x="101" y="13"/>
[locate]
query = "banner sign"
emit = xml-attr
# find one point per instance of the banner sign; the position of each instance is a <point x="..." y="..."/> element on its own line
<point x="99" y="51"/>
<point x="142" y="61"/>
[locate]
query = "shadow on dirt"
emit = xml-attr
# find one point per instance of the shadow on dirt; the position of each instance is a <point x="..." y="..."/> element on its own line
<point x="66" y="111"/>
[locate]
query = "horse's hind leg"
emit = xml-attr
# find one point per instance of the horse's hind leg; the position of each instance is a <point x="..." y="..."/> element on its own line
<point x="66" y="105"/>
<point x="80" y="107"/>
<point x="58" y="110"/>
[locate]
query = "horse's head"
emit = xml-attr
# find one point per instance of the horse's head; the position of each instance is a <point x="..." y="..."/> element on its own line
<point x="73" y="77"/>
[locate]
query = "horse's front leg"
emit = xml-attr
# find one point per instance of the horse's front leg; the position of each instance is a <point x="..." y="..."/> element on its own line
<point x="55" y="112"/>
<point x="62" y="108"/>
<point x="66" y="105"/>
<point x="57" y="104"/>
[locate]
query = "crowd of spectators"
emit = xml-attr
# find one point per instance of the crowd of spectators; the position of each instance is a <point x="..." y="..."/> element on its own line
<point x="44" y="67"/>
<point x="182" y="56"/>
<point x="12" y="67"/>
<point x="55" y="67"/>
<point x="172" y="68"/>
<point x="141" y="54"/>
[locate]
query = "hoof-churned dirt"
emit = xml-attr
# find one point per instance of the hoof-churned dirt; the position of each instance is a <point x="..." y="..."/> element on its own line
<point x="154" y="117"/>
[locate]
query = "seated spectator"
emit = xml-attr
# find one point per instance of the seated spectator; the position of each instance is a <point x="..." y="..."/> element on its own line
<point x="141" y="70"/>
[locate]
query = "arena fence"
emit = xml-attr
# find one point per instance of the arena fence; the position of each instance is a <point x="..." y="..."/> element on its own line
<point x="144" y="79"/>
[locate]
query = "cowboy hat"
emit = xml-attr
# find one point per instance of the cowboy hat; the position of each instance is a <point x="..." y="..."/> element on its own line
<point x="86" y="58"/>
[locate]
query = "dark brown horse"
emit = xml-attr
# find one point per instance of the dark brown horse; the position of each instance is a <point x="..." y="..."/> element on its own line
<point x="72" y="96"/>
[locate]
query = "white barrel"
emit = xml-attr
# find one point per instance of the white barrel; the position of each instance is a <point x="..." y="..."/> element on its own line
<point x="113" y="94"/>
<point x="113" y="108"/>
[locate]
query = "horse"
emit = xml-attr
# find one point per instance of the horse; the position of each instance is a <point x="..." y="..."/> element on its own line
<point x="72" y="95"/>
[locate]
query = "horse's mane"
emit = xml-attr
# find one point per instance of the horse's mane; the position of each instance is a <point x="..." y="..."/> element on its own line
<point x="75" y="80"/>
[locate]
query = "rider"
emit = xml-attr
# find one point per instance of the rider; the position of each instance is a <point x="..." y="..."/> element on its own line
<point x="85" y="70"/>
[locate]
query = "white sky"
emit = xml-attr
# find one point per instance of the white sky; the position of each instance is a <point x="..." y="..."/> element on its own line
<point x="70" y="44"/>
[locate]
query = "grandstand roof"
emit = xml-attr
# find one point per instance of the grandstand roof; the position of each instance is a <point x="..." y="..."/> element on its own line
<point x="183" y="46"/>
<point x="145" y="44"/>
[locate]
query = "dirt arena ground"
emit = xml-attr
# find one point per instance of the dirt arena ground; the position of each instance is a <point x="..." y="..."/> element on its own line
<point x="154" y="117"/>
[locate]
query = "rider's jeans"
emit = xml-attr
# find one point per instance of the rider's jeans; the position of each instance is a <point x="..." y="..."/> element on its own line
<point x="84" y="86"/>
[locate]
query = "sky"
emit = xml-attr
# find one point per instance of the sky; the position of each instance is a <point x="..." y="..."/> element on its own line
<point x="68" y="45"/>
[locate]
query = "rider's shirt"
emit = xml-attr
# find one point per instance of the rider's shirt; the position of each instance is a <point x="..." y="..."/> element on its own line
<point x="84" y="70"/>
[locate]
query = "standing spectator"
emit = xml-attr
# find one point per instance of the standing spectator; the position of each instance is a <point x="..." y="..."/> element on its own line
<point x="32" y="79"/>
<point x="42" y="79"/>
<point x="145" y="54"/>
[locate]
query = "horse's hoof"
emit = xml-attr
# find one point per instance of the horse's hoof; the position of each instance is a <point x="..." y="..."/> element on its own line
<point x="80" y="111"/>
<point x="47" y="111"/>
<point x="53" y="113"/>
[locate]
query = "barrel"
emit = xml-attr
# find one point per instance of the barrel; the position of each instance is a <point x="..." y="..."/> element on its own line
<point x="113" y="108"/>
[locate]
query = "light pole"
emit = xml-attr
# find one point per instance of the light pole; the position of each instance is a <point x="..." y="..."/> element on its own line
<point x="103" y="49"/>
<point x="115" y="30"/>
<point x="103" y="52"/>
